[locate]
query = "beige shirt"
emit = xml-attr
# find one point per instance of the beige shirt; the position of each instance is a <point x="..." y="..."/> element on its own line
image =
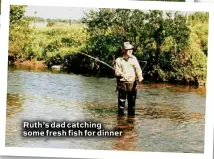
<point x="129" y="70"/>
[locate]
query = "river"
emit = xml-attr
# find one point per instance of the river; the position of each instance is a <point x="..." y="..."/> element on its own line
<point x="168" y="118"/>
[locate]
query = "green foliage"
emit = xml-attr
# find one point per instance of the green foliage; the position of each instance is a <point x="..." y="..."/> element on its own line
<point x="53" y="59"/>
<point x="159" y="38"/>
<point x="43" y="43"/>
<point x="52" y="42"/>
<point x="17" y="15"/>
<point x="198" y="23"/>
<point x="50" y="24"/>
<point x="20" y="33"/>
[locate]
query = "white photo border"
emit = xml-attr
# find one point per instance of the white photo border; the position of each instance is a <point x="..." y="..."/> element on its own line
<point x="147" y="5"/>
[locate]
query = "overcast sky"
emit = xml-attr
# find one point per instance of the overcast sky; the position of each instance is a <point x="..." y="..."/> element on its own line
<point x="59" y="12"/>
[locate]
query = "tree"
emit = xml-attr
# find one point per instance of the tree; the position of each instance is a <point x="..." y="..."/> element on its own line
<point x="198" y="23"/>
<point x="150" y="32"/>
<point x="17" y="14"/>
<point x="156" y="32"/>
<point x="19" y="37"/>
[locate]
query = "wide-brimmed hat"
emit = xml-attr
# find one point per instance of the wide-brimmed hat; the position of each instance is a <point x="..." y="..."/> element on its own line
<point x="127" y="46"/>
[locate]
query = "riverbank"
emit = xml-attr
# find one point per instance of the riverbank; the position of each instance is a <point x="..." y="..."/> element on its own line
<point x="32" y="64"/>
<point x="40" y="65"/>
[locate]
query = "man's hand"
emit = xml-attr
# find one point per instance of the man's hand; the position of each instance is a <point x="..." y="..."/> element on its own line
<point x="140" y="79"/>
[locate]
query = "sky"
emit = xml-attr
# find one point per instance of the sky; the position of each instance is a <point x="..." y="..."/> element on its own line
<point x="57" y="12"/>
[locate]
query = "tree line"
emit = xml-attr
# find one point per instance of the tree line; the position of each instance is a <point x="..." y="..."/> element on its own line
<point x="48" y="20"/>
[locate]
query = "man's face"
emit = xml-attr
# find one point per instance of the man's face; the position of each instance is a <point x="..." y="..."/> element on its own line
<point x="129" y="52"/>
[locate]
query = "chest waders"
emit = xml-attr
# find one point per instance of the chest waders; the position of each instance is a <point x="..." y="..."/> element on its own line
<point x="127" y="91"/>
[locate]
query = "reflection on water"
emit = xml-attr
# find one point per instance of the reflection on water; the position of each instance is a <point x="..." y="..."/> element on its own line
<point x="14" y="104"/>
<point x="200" y="90"/>
<point x="127" y="142"/>
<point x="169" y="112"/>
<point x="167" y="116"/>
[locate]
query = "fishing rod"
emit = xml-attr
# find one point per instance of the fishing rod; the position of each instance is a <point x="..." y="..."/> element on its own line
<point x="98" y="60"/>
<point x="108" y="64"/>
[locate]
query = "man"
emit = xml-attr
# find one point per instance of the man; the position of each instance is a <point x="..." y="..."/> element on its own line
<point x="128" y="72"/>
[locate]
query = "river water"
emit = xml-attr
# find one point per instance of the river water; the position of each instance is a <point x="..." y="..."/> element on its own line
<point x="168" y="118"/>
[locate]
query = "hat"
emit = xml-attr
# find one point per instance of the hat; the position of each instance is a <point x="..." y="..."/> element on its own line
<point x="127" y="46"/>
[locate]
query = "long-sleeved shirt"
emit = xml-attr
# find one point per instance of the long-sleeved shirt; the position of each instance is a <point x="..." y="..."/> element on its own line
<point x="128" y="70"/>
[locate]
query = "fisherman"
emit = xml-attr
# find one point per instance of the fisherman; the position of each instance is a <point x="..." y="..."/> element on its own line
<point x="128" y="73"/>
